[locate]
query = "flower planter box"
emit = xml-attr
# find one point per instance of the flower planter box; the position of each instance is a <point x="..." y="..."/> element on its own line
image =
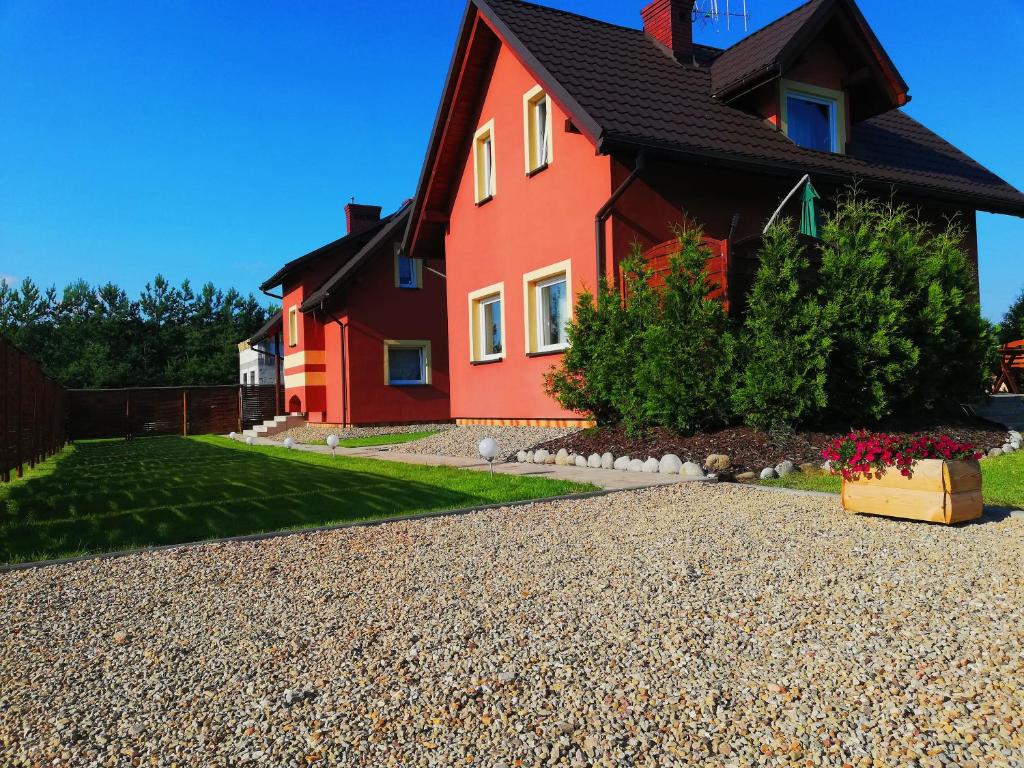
<point x="938" y="492"/>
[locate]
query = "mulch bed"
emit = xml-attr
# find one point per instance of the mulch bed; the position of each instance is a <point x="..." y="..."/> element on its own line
<point x="752" y="450"/>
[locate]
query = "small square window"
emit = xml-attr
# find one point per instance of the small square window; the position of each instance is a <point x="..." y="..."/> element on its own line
<point x="407" y="363"/>
<point x="552" y="303"/>
<point x="407" y="272"/>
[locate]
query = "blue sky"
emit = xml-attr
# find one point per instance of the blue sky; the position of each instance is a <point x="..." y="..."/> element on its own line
<point x="216" y="140"/>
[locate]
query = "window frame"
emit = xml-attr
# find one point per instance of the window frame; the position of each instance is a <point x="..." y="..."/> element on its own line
<point x="423" y="345"/>
<point x="533" y="283"/>
<point x="477" y="300"/>
<point x="531" y="139"/>
<point x="293" y="326"/>
<point x="482" y="304"/>
<point x="834" y="100"/>
<point x="485" y="186"/>
<point x="417" y="272"/>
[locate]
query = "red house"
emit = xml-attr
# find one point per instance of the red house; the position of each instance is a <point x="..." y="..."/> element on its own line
<point x="364" y="328"/>
<point x="561" y="140"/>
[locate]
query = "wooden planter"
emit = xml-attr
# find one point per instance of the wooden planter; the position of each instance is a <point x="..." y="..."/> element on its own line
<point x="939" y="492"/>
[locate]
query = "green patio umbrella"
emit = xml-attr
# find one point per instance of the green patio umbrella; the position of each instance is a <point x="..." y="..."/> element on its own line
<point x="808" y="211"/>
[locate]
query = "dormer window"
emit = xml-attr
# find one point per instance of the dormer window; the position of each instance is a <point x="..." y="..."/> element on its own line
<point x="483" y="163"/>
<point x="813" y="117"/>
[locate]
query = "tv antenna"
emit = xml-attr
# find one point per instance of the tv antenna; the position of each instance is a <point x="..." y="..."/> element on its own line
<point x="710" y="12"/>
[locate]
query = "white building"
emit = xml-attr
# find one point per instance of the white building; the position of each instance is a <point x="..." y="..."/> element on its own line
<point x="259" y="357"/>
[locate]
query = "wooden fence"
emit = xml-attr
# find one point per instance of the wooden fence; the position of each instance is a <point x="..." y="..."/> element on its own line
<point x="143" y="412"/>
<point x="33" y="412"/>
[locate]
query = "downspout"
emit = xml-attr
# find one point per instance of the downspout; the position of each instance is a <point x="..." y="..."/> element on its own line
<point x="606" y="210"/>
<point x="344" y="363"/>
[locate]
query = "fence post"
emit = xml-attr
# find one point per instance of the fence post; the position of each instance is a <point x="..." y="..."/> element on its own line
<point x="5" y="435"/>
<point x="239" y="408"/>
<point x="17" y="450"/>
<point x="33" y="439"/>
<point x="184" y="413"/>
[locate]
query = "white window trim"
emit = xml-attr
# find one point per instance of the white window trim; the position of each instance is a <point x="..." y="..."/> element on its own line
<point x="482" y="305"/>
<point x="476" y="339"/>
<point x="481" y="192"/>
<point x="552" y="273"/>
<point x="538" y="288"/>
<point x="425" y="362"/>
<point x="530" y="99"/>
<point x="835" y="100"/>
<point x="417" y="274"/>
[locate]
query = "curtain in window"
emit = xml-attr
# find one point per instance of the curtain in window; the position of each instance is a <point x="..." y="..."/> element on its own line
<point x="405" y="364"/>
<point x="810" y="123"/>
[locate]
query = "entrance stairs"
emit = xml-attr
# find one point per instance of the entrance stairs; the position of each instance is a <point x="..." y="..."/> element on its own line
<point x="276" y="425"/>
<point x="1003" y="409"/>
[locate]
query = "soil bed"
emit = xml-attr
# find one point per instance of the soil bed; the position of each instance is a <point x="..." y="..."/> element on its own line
<point x="752" y="450"/>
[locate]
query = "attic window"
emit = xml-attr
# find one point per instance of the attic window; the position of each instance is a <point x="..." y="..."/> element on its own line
<point x="814" y="117"/>
<point x="537" y="129"/>
<point x="483" y="163"/>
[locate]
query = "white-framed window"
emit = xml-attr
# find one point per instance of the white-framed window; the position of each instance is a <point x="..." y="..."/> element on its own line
<point x="813" y="117"/>
<point x="537" y="129"/>
<point x="293" y="326"/>
<point x="406" y="363"/>
<point x="546" y="297"/>
<point x="552" y="306"/>
<point x="484" y="169"/>
<point x="487" y="341"/>
<point x="408" y="272"/>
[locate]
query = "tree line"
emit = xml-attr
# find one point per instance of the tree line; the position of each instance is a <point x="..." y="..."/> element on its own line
<point x="99" y="337"/>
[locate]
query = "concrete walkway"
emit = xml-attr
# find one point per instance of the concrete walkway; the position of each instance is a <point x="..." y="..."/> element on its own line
<point x="606" y="479"/>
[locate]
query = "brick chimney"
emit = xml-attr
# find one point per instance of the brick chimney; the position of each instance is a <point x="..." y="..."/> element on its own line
<point x="359" y="217"/>
<point x="670" y="22"/>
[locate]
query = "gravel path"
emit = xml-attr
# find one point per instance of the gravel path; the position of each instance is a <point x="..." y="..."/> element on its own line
<point x="711" y="626"/>
<point x="317" y="433"/>
<point x="465" y="441"/>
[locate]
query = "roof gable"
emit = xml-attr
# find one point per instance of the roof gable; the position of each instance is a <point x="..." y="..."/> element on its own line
<point x="768" y="53"/>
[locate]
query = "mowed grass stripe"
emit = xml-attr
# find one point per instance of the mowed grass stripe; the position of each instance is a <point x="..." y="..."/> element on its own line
<point x="105" y="496"/>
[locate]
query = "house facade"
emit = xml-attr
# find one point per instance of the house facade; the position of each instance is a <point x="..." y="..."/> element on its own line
<point x="364" y="328"/>
<point x="561" y="141"/>
<point x="259" y="356"/>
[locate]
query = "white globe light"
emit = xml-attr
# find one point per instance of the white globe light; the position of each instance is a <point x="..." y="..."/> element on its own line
<point x="289" y="443"/>
<point x="248" y="441"/>
<point x="232" y="436"/>
<point x="332" y="441"/>
<point x="489" y="448"/>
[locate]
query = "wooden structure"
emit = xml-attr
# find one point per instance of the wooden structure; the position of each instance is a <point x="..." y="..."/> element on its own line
<point x="33" y="412"/>
<point x="1011" y="369"/>
<point x="938" y="492"/>
<point x="144" y="412"/>
<point x="659" y="257"/>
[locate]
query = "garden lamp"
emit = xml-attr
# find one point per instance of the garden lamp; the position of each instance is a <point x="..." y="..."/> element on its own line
<point x="248" y="441"/>
<point x="232" y="436"/>
<point x="289" y="443"/>
<point x="332" y="443"/>
<point x="488" y="451"/>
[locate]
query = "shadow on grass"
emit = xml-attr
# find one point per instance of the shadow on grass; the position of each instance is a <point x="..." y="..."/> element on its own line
<point x="104" y="496"/>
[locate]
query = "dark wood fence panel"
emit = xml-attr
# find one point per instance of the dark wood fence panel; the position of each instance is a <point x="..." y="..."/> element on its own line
<point x="143" y="412"/>
<point x="33" y="412"/>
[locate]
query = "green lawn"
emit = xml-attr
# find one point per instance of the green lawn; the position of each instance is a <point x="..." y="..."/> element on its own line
<point x="110" y="495"/>
<point x="401" y="437"/>
<point x="1002" y="481"/>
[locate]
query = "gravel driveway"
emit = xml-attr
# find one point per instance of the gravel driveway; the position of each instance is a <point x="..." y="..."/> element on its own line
<point x="674" y="626"/>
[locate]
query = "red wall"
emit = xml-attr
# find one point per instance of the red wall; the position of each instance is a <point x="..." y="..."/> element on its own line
<point x="304" y="389"/>
<point x="531" y="222"/>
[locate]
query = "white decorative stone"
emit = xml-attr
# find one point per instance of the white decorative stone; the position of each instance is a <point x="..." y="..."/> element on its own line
<point x="1007" y="449"/>
<point x="1015" y="435"/>
<point x="1015" y="444"/>
<point x="769" y="473"/>
<point x="594" y="462"/>
<point x="995" y="452"/>
<point x="521" y="457"/>
<point x="827" y="467"/>
<point x="652" y="465"/>
<point x="670" y="464"/>
<point x="607" y="461"/>
<point x="541" y="456"/>
<point x="621" y="463"/>
<point x="581" y="461"/>
<point x="635" y="465"/>
<point x="562" y="457"/>
<point x="691" y="469"/>
<point x="785" y="468"/>
<point x="529" y="457"/>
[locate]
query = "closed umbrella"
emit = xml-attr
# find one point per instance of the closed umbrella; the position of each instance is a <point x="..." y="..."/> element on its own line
<point x="808" y="211"/>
